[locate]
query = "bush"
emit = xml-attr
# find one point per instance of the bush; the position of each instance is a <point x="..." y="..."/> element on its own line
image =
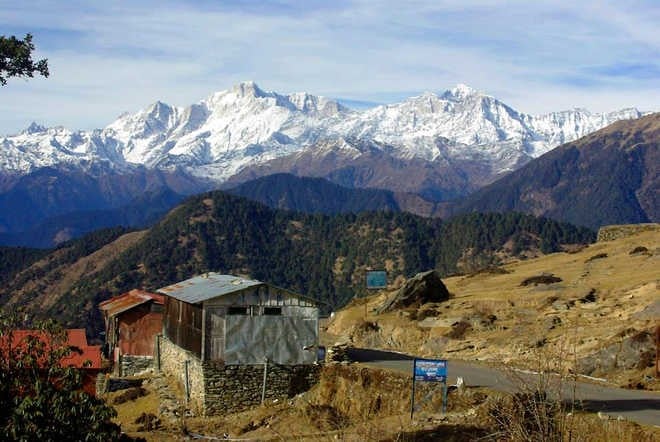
<point x="527" y="417"/>
<point x="130" y="395"/>
<point x="541" y="279"/>
<point x="595" y="257"/>
<point x="459" y="330"/>
<point x="638" y="249"/>
<point x="589" y="297"/>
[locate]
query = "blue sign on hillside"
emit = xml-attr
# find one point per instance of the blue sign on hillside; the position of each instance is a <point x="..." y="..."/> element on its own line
<point x="377" y="279"/>
<point x="430" y="370"/>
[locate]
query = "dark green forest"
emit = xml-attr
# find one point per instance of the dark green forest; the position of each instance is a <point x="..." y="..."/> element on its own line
<point x="322" y="256"/>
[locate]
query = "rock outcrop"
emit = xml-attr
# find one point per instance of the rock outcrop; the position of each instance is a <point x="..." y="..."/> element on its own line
<point x="422" y="288"/>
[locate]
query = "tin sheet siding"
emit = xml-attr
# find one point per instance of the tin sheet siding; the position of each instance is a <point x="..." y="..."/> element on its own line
<point x="215" y="334"/>
<point x="137" y="329"/>
<point x="183" y="325"/>
<point x="250" y="338"/>
<point x="263" y="296"/>
<point x="280" y="339"/>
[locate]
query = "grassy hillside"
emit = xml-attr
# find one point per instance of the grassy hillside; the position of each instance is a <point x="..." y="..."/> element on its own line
<point x="597" y="318"/>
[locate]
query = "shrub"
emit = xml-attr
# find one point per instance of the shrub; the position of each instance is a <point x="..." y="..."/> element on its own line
<point x="595" y="257"/>
<point x="458" y="330"/>
<point x="638" y="249"/>
<point x="589" y="297"/>
<point x="130" y="395"/>
<point x="541" y="279"/>
<point x="528" y="416"/>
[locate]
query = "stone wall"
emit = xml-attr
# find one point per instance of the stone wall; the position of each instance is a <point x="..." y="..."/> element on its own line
<point x="134" y="365"/>
<point x="216" y="388"/>
<point x="173" y="363"/>
<point x="610" y="233"/>
<point x="232" y="388"/>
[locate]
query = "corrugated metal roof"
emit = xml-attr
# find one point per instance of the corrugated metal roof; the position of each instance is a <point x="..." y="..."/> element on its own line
<point x="207" y="286"/>
<point x="127" y="301"/>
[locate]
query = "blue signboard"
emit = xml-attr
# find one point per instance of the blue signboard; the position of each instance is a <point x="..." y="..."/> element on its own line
<point x="377" y="279"/>
<point x="430" y="370"/>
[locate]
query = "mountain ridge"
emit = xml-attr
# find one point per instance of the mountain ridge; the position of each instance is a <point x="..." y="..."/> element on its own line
<point x="607" y="177"/>
<point x="244" y="126"/>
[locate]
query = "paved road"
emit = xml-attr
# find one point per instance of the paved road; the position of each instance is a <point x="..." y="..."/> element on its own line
<point x="639" y="406"/>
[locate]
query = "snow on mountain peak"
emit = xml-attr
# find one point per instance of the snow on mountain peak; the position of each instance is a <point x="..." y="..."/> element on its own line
<point x="245" y="125"/>
<point x="248" y="89"/>
<point x="460" y="92"/>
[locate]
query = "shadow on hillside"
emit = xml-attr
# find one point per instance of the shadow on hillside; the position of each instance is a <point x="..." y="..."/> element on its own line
<point x="622" y="405"/>
<point x="369" y="355"/>
<point x="444" y="432"/>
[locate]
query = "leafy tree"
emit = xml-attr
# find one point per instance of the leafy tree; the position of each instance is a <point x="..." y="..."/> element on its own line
<point x="40" y="397"/>
<point x="16" y="59"/>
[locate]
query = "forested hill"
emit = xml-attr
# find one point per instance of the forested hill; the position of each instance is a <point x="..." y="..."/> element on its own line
<point x="608" y="177"/>
<point x="313" y="195"/>
<point x="321" y="256"/>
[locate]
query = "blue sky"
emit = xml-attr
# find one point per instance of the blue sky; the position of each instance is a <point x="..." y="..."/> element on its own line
<point x="109" y="57"/>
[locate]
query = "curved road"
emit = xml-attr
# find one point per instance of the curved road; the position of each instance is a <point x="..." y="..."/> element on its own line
<point x="640" y="406"/>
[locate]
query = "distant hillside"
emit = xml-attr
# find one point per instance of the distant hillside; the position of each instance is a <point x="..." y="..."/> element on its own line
<point x="318" y="195"/>
<point x="53" y="204"/>
<point x="608" y="177"/>
<point x="139" y="213"/>
<point x="33" y="276"/>
<point x="325" y="257"/>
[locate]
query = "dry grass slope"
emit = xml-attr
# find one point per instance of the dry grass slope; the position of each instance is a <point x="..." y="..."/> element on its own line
<point x="606" y="296"/>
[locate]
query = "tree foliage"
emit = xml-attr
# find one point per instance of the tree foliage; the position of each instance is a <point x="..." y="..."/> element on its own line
<point x="16" y="59"/>
<point x="40" y="398"/>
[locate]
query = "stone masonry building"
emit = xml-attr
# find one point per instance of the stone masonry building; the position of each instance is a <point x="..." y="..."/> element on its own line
<point x="232" y="342"/>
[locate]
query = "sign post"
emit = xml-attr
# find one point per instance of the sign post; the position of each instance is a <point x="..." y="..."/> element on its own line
<point x="376" y="280"/>
<point x="429" y="370"/>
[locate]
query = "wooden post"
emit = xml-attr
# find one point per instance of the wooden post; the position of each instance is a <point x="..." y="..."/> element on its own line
<point x="157" y="352"/>
<point x="657" y="351"/>
<point x="263" y="386"/>
<point x="185" y="365"/>
<point x="412" y="398"/>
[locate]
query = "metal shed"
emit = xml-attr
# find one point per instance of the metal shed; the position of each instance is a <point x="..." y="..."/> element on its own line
<point x="240" y="321"/>
<point x="132" y="320"/>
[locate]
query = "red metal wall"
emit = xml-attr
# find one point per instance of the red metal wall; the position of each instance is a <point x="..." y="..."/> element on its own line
<point x="137" y="330"/>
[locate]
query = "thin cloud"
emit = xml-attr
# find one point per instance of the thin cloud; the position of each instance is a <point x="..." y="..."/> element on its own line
<point x="540" y="56"/>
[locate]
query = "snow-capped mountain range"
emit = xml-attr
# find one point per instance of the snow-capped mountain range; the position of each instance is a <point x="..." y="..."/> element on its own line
<point x="246" y="126"/>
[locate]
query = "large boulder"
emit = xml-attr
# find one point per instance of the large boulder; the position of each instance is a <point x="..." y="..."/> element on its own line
<point x="420" y="289"/>
<point x="632" y="352"/>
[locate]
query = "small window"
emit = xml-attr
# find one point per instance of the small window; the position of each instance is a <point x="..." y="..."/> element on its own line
<point x="237" y="311"/>
<point x="157" y="308"/>
<point x="272" y="311"/>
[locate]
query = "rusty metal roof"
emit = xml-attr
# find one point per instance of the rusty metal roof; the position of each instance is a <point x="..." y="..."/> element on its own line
<point x="207" y="286"/>
<point x="128" y="300"/>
